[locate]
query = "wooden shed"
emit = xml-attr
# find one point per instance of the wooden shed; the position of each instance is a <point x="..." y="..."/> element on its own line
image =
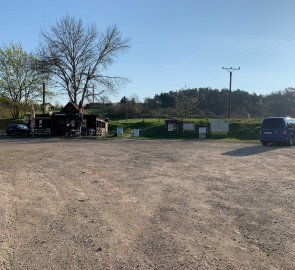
<point x="72" y="120"/>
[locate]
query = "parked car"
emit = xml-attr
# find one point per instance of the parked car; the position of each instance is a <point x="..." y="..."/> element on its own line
<point x="277" y="130"/>
<point x="17" y="129"/>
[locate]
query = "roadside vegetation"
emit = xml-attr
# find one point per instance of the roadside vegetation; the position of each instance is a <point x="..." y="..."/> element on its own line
<point x="201" y="103"/>
<point x="153" y="128"/>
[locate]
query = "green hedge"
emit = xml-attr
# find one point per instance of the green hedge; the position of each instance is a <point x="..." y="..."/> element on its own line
<point x="155" y="128"/>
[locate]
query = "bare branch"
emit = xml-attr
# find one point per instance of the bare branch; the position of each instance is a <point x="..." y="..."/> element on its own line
<point x="76" y="55"/>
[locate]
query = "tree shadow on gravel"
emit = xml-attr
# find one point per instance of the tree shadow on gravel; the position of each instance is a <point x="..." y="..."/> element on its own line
<point x="251" y="150"/>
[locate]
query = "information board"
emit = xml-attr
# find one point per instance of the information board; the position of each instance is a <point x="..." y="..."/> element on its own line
<point x="202" y="130"/>
<point x="219" y="126"/>
<point x="188" y="126"/>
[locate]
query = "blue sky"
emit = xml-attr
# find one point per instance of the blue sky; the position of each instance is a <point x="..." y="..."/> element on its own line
<point x="177" y="43"/>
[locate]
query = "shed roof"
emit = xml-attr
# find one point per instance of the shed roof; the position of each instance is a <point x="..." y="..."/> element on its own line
<point x="72" y="108"/>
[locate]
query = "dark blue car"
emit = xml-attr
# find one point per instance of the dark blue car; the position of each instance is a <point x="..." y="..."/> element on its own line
<point x="17" y="129"/>
<point x="277" y="130"/>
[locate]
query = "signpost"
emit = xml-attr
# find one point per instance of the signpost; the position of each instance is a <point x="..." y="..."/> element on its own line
<point x="33" y="119"/>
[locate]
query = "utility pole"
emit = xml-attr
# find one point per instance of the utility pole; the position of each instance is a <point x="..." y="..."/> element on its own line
<point x="231" y="69"/>
<point x="93" y="93"/>
<point x="43" y="98"/>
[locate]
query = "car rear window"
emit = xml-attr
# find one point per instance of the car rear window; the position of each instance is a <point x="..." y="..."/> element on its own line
<point x="273" y="123"/>
<point x="291" y="123"/>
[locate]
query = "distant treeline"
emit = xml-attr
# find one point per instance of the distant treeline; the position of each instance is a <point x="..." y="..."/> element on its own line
<point x="202" y="102"/>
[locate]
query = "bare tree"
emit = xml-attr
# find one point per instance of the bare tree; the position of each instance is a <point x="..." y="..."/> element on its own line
<point x="78" y="56"/>
<point x="186" y="104"/>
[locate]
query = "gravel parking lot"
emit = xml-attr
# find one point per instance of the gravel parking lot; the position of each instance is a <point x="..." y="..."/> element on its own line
<point x="136" y="204"/>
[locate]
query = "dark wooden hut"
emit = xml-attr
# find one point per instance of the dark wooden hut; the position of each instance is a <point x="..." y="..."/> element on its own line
<point x="72" y="120"/>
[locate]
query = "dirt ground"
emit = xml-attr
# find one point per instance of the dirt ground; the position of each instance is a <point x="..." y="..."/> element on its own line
<point x="135" y="204"/>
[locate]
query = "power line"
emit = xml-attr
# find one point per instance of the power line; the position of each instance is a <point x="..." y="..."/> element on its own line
<point x="267" y="53"/>
<point x="257" y="54"/>
<point x="265" y="48"/>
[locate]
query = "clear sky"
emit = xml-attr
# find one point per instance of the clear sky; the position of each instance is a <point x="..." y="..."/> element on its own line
<point x="177" y="43"/>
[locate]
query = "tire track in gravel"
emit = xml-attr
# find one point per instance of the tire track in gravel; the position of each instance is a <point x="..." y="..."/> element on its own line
<point x="29" y="201"/>
<point x="8" y="229"/>
<point x="148" y="205"/>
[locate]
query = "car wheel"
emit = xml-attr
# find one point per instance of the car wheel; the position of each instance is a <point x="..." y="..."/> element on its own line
<point x="264" y="143"/>
<point x="291" y="142"/>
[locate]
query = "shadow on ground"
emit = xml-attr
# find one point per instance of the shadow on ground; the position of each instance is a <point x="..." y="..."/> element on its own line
<point x="251" y="150"/>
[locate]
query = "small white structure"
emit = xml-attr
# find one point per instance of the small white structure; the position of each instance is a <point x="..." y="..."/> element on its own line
<point x="120" y="131"/>
<point x="202" y="132"/>
<point x="135" y="132"/>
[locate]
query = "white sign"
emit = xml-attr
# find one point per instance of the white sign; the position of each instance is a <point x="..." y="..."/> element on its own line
<point x="202" y="130"/>
<point x="136" y="132"/>
<point x="189" y="126"/>
<point x="119" y="131"/>
<point x="219" y="126"/>
<point x="172" y="127"/>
